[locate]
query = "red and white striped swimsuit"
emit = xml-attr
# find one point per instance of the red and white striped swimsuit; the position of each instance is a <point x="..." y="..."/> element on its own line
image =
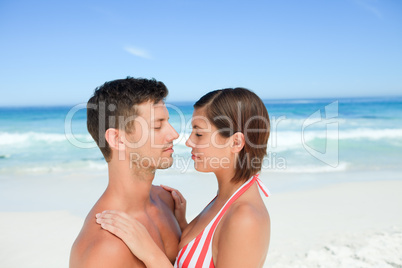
<point x="198" y="253"/>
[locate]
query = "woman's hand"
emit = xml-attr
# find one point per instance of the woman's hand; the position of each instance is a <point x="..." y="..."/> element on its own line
<point x="134" y="234"/>
<point x="180" y="204"/>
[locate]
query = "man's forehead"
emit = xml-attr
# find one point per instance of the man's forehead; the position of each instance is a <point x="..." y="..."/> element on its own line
<point x="154" y="111"/>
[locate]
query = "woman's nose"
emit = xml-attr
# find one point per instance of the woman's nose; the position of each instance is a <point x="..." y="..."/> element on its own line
<point x="189" y="142"/>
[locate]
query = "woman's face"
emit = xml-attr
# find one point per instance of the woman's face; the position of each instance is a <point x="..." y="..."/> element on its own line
<point x="210" y="151"/>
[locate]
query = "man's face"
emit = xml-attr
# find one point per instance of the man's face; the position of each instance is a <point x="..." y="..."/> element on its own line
<point x="150" y="143"/>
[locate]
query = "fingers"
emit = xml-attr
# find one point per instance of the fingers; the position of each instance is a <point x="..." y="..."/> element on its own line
<point x="167" y="188"/>
<point x="114" y="223"/>
<point x="179" y="196"/>
<point x="121" y="232"/>
<point x="113" y="213"/>
<point x="109" y="222"/>
<point x="115" y="218"/>
<point x="118" y="219"/>
<point x="177" y="200"/>
<point x="112" y="229"/>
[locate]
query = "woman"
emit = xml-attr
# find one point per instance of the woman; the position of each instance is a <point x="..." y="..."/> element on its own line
<point x="229" y="138"/>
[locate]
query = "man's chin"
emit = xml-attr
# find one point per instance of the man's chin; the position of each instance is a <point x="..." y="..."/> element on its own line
<point x="166" y="164"/>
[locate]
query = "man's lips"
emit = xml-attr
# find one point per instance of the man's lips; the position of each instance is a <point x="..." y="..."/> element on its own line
<point x="169" y="149"/>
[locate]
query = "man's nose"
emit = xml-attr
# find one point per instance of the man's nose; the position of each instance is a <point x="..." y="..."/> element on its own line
<point x="173" y="135"/>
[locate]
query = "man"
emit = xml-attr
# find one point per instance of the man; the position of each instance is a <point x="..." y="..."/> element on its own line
<point x="129" y="122"/>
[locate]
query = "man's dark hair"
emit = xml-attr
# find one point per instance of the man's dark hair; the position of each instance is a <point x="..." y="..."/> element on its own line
<point x="116" y="100"/>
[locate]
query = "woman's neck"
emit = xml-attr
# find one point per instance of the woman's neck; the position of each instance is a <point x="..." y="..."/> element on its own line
<point x="226" y="188"/>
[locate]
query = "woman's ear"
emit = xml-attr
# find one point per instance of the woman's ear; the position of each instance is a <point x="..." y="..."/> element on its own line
<point x="237" y="142"/>
<point x="112" y="138"/>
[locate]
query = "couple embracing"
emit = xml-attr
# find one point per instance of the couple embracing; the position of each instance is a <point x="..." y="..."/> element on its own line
<point x="137" y="224"/>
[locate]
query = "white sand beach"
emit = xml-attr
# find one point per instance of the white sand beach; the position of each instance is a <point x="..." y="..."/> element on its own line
<point x="348" y="224"/>
<point x="356" y="224"/>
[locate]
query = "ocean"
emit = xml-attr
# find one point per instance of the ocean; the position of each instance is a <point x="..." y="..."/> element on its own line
<point x="333" y="168"/>
<point x="307" y="136"/>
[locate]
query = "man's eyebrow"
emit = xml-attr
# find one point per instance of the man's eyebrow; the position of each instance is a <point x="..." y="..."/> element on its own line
<point x="195" y="126"/>
<point x="159" y="119"/>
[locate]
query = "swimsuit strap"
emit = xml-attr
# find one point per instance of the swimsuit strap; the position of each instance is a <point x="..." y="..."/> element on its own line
<point x="263" y="188"/>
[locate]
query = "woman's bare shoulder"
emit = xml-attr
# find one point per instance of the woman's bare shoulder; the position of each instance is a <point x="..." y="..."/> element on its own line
<point x="243" y="237"/>
<point x="246" y="215"/>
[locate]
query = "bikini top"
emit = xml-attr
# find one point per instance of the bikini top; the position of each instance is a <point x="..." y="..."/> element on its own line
<point x="198" y="252"/>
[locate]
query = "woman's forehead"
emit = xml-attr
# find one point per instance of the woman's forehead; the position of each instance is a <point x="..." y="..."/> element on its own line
<point x="199" y="118"/>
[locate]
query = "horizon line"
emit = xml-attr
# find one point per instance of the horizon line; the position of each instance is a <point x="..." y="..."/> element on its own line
<point x="193" y="101"/>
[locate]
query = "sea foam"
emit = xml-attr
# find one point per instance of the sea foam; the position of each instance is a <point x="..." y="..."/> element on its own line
<point x="28" y="138"/>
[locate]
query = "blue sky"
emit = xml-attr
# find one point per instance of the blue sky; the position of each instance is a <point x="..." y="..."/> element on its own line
<point x="57" y="52"/>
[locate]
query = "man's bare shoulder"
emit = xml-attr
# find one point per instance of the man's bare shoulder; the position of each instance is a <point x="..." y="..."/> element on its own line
<point x="163" y="195"/>
<point x="95" y="247"/>
<point x="105" y="252"/>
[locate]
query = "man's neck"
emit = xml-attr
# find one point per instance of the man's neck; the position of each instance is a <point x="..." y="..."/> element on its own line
<point x="130" y="187"/>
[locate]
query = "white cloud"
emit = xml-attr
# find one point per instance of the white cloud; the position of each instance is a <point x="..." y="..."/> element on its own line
<point x="138" y="52"/>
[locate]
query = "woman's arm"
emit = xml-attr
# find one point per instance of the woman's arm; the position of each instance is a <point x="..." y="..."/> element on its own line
<point x="243" y="238"/>
<point x="136" y="237"/>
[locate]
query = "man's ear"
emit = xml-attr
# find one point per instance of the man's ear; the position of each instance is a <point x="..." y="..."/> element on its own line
<point x="113" y="139"/>
<point x="238" y="142"/>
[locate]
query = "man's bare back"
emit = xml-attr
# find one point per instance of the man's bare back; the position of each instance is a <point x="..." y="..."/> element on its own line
<point x="95" y="247"/>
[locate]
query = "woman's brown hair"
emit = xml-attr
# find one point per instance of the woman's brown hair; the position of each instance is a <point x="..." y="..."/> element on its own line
<point x="234" y="110"/>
